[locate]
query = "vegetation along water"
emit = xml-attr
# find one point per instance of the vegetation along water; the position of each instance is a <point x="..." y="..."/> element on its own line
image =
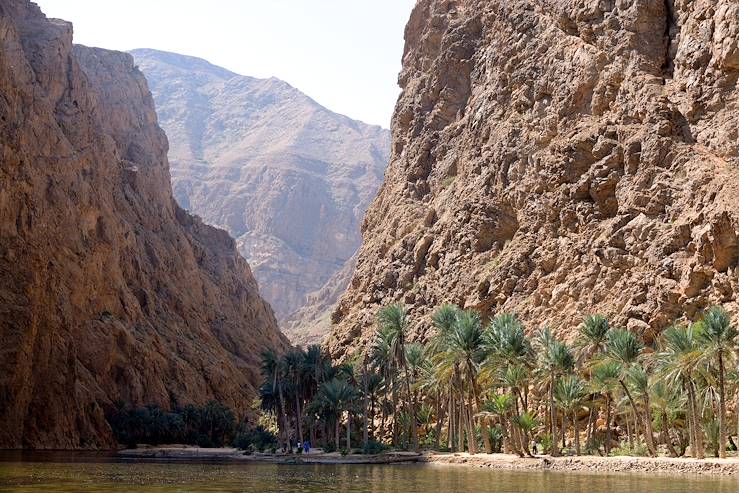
<point x="501" y="387"/>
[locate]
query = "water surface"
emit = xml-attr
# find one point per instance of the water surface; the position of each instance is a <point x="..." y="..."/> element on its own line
<point x="93" y="473"/>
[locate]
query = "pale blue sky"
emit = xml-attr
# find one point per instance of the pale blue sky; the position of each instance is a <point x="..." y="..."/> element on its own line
<point x="345" y="54"/>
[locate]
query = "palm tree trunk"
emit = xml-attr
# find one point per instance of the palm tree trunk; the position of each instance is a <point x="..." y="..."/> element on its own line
<point x="722" y="407"/>
<point x="451" y="428"/>
<point x="372" y="416"/>
<point x="608" y="424"/>
<point x="564" y="428"/>
<point x="395" y="415"/>
<point x="412" y="402"/>
<point x="299" y="417"/>
<point x="461" y="426"/>
<point x="577" y="432"/>
<point x="383" y="432"/>
<point x="591" y="419"/>
<point x="516" y="441"/>
<point x="700" y="450"/>
<point x="483" y="424"/>
<point x="338" y="432"/>
<point x="650" y="446"/>
<point x="284" y="415"/>
<point x="439" y="419"/>
<point x="471" y="437"/>
<point x="649" y="431"/>
<point x="348" y="431"/>
<point x="553" y="418"/>
<point x="666" y="435"/>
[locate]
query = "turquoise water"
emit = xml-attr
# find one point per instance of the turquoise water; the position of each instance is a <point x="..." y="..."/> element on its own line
<point x="64" y="474"/>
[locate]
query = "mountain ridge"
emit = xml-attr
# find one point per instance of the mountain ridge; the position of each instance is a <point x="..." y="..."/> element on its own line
<point x="288" y="178"/>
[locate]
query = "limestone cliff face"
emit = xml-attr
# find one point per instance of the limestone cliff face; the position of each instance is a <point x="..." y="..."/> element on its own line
<point x="556" y="158"/>
<point x="289" y="179"/>
<point x="108" y="290"/>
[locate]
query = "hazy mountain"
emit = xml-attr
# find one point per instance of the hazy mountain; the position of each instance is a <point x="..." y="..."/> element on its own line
<point x="289" y="179"/>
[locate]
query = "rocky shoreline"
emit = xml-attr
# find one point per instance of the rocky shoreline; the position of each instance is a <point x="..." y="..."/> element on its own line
<point x="584" y="464"/>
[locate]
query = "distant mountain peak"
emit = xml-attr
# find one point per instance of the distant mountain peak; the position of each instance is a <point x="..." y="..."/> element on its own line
<point x="288" y="178"/>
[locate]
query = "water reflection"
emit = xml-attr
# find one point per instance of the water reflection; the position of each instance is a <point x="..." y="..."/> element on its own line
<point x="96" y="473"/>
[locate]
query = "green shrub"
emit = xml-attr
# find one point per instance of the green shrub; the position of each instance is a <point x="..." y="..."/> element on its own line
<point x="374" y="447"/>
<point x="638" y="450"/>
<point x="257" y="438"/>
<point x="344" y="451"/>
<point x="495" y="433"/>
<point x="208" y="426"/>
<point x="546" y="443"/>
<point x="329" y="447"/>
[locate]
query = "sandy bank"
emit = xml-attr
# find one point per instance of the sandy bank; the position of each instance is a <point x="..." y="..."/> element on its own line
<point x="660" y="465"/>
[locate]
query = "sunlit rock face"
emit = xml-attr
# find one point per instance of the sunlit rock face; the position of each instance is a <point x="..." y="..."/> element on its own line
<point x="554" y="159"/>
<point x="109" y="291"/>
<point x="289" y="179"/>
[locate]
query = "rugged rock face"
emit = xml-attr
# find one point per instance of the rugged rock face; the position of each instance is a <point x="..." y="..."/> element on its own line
<point x="287" y="178"/>
<point x="556" y="158"/>
<point x="311" y="323"/>
<point x="108" y="290"/>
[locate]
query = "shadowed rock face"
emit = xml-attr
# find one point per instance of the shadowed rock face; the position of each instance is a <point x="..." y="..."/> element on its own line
<point x="108" y="290"/>
<point x="557" y="158"/>
<point x="287" y="178"/>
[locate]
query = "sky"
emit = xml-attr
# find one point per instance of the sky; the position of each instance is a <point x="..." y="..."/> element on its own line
<point x="345" y="54"/>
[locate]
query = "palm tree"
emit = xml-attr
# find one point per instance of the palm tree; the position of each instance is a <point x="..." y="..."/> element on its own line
<point x="593" y="337"/>
<point x="679" y="359"/>
<point x="459" y="355"/>
<point x="294" y="361"/>
<point x="394" y="318"/>
<point x="272" y="369"/>
<point x="381" y="359"/>
<point x="666" y="401"/>
<point x="525" y="423"/>
<point x="604" y="380"/>
<point x="718" y="337"/>
<point x="556" y="360"/>
<point x="499" y="406"/>
<point x="625" y="349"/>
<point x="569" y="392"/>
<point x="638" y="381"/>
<point x="592" y="342"/>
<point x="337" y="396"/>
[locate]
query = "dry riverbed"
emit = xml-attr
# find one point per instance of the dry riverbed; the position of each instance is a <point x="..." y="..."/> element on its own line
<point x="660" y="465"/>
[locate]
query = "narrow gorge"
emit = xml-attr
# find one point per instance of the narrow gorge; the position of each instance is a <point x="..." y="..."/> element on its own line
<point x="287" y="178"/>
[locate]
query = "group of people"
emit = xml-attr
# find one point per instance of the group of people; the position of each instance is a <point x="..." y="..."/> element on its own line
<point x="305" y="446"/>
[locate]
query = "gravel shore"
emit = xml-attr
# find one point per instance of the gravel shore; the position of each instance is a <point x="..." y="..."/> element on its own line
<point x="659" y="465"/>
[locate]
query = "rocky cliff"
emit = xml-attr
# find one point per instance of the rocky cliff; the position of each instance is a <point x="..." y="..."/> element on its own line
<point x="556" y="158"/>
<point x="289" y="179"/>
<point x="108" y="290"/>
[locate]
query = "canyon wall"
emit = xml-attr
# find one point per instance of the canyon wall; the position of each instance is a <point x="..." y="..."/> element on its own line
<point x="109" y="292"/>
<point x="556" y="158"/>
<point x="289" y="179"/>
